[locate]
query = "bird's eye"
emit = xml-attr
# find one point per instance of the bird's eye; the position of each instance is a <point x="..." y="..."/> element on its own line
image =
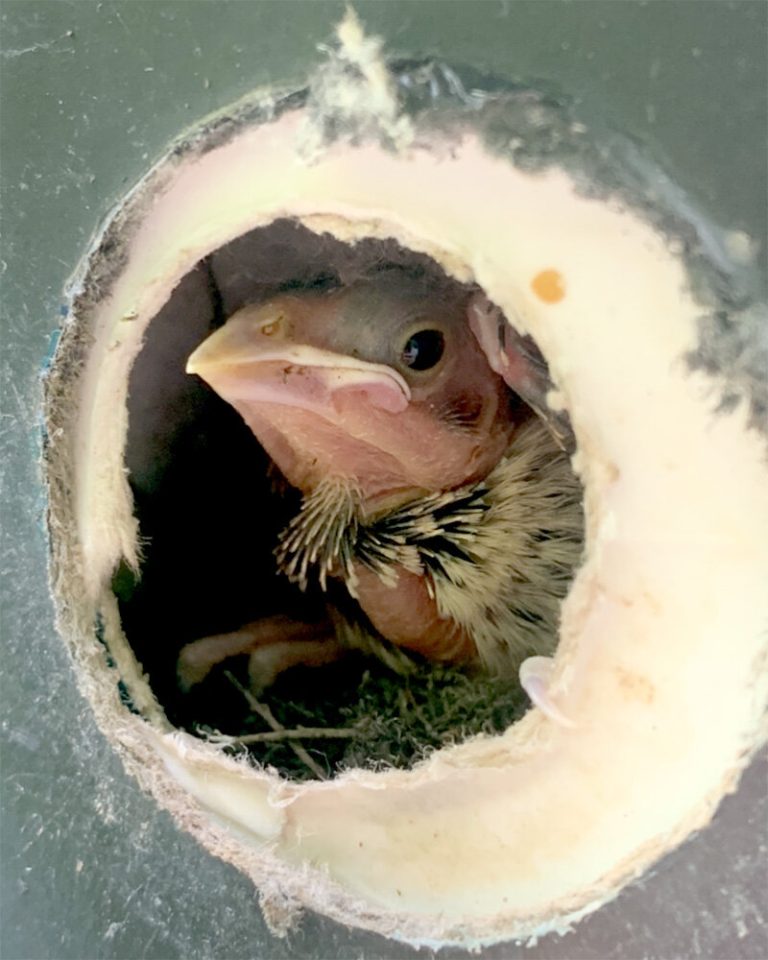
<point x="423" y="350"/>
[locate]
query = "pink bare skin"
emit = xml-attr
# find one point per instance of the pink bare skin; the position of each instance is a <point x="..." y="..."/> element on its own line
<point x="407" y="616"/>
<point x="388" y="385"/>
<point x="516" y="359"/>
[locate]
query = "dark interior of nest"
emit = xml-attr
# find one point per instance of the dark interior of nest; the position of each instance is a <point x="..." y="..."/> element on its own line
<point x="210" y="513"/>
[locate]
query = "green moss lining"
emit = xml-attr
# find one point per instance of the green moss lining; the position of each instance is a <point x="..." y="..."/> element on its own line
<point x="391" y="721"/>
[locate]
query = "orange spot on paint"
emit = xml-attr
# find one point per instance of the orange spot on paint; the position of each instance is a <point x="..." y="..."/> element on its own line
<point x="549" y="286"/>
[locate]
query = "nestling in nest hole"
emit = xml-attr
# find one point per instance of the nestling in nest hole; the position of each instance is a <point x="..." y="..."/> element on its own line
<point x="217" y="519"/>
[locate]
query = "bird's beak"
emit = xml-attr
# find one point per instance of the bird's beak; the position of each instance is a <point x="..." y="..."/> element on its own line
<point x="246" y="367"/>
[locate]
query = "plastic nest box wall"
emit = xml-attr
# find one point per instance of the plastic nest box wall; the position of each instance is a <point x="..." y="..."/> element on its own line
<point x="644" y="317"/>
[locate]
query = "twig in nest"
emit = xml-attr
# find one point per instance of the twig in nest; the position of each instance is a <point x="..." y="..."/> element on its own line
<point x="266" y="714"/>
<point x="312" y="733"/>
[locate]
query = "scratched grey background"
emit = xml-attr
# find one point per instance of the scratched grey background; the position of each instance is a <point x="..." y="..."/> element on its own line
<point x="92" y="91"/>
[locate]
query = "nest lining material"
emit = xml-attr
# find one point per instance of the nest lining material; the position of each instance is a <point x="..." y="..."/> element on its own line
<point x="529" y="830"/>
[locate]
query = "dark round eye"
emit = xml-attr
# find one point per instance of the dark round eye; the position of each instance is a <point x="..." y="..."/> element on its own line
<point x="423" y="350"/>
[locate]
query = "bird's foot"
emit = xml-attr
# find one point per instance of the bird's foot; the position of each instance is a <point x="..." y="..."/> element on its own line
<point x="273" y="645"/>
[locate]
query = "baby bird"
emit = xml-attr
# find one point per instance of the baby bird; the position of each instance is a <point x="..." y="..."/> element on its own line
<point x="439" y="513"/>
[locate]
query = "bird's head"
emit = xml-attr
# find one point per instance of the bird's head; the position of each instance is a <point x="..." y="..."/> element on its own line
<point x="381" y="383"/>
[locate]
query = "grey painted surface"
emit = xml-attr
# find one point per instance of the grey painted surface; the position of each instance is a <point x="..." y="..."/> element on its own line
<point x="92" y="93"/>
